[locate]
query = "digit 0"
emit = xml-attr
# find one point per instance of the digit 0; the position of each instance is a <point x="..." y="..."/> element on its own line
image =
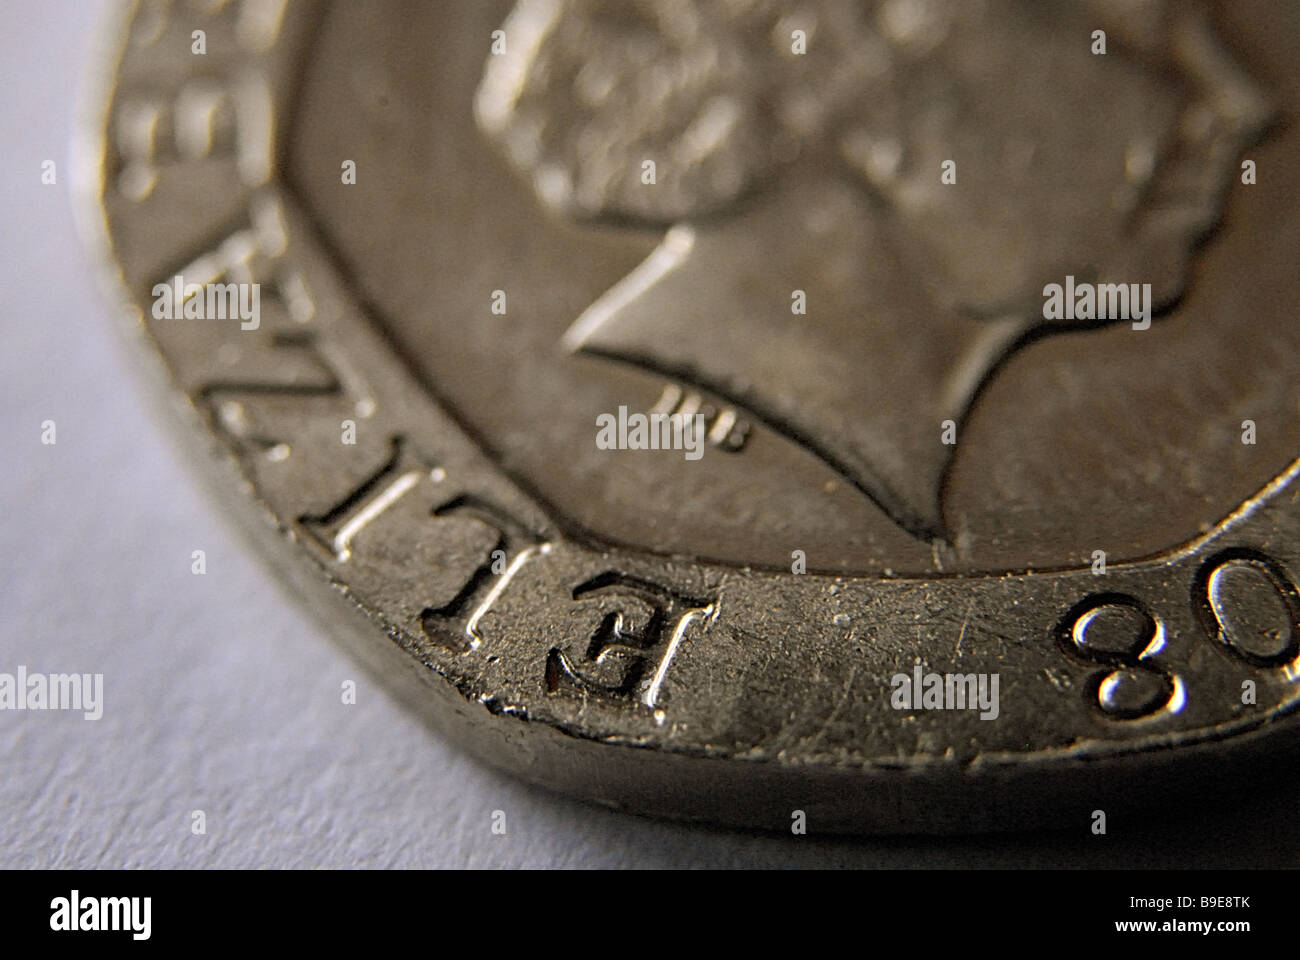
<point x="1249" y="603"/>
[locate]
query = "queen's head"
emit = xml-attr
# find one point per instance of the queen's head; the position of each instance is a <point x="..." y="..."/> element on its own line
<point x="919" y="169"/>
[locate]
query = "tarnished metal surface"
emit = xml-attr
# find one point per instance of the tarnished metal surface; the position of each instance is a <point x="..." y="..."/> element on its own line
<point x="943" y="561"/>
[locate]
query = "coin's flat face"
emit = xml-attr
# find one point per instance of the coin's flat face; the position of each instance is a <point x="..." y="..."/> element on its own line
<point x="883" y="410"/>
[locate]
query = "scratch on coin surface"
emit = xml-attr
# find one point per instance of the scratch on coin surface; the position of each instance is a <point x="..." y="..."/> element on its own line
<point x="970" y="605"/>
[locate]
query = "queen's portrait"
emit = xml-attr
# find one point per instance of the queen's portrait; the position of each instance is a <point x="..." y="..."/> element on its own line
<point x="861" y="202"/>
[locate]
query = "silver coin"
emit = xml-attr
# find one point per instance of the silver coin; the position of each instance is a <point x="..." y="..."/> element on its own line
<point x="879" y="413"/>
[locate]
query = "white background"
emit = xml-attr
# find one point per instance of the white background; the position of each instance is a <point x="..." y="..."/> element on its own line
<point x="219" y="693"/>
